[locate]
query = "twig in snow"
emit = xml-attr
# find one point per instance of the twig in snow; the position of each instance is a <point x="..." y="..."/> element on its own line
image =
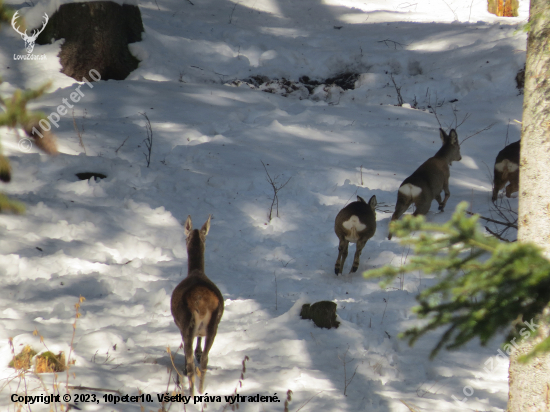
<point x="384" y="313"/>
<point x="309" y="400"/>
<point x="235" y="404"/>
<point x="456" y="17"/>
<point x="410" y="408"/>
<point x="232" y="11"/>
<point x="273" y="183"/>
<point x="398" y="90"/>
<point x="275" y="276"/>
<point x="69" y="363"/>
<point x="288" y="399"/>
<point x="344" y="363"/>
<point x="403" y="261"/>
<point x="87" y="388"/>
<point x="149" y="139"/>
<point x="395" y="43"/>
<point x="78" y="132"/>
<point x="119" y="147"/>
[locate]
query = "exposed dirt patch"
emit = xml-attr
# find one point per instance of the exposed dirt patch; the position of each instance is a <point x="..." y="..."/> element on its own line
<point x="305" y="88"/>
<point x="89" y="175"/>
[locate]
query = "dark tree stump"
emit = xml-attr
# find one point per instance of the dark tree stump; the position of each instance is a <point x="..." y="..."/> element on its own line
<point x="96" y="38"/>
<point x="323" y="314"/>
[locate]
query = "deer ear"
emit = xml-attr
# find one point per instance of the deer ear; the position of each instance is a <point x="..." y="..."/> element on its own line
<point x="453" y="136"/>
<point x="373" y="202"/>
<point x="188" y="226"/>
<point x="206" y="227"/>
<point x="443" y="135"/>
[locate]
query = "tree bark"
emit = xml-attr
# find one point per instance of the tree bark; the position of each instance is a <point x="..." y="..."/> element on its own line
<point x="97" y="34"/>
<point x="508" y="8"/>
<point x="530" y="383"/>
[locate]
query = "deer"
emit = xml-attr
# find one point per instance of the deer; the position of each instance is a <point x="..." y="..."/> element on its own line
<point x="507" y="170"/>
<point x="29" y="40"/>
<point x="427" y="182"/>
<point x="355" y="223"/>
<point x="196" y="305"/>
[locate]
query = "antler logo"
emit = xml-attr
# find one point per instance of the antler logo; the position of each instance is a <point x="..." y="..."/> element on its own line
<point x="29" y="40"/>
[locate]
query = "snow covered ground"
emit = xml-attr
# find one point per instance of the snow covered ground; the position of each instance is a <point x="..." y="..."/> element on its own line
<point x="119" y="241"/>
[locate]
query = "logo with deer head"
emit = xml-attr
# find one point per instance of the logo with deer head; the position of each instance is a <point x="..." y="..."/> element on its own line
<point x="29" y="40"/>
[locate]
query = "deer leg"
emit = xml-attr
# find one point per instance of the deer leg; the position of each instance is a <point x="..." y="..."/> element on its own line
<point x="424" y="203"/>
<point x="189" y="359"/>
<point x="198" y="349"/>
<point x="514" y="184"/>
<point x="208" y="341"/>
<point x="499" y="183"/>
<point x="342" y="255"/>
<point x="511" y="188"/>
<point x="439" y="202"/>
<point x="358" y="249"/>
<point x="447" y="194"/>
<point x="403" y="203"/>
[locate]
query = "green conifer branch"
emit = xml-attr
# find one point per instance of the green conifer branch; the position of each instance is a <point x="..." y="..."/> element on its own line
<point x="14" y="113"/>
<point x="484" y="285"/>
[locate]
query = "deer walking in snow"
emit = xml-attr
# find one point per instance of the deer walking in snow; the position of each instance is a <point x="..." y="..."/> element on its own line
<point x="355" y="223"/>
<point x="507" y="170"/>
<point x="427" y="182"/>
<point x="197" y="305"/>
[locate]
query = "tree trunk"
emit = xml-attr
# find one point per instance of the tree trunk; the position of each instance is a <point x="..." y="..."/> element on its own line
<point x="97" y="34"/>
<point x="503" y="8"/>
<point x="530" y="383"/>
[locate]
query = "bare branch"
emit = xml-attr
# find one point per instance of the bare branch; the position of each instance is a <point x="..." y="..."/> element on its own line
<point x="149" y="139"/>
<point x="119" y="147"/>
<point x="87" y="388"/>
<point x="455" y="111"/>
<point x="481" y="131"/>
<point x="395" y="43"/>
<point x="273" y="183"/>
<point x="80" y="133"/>
<point x="499" y="237"/>
<point x="507" y="224"/>
<point x="344" y="363"/>
<point x="398" y="90"/>
<point x="232" y="11"/>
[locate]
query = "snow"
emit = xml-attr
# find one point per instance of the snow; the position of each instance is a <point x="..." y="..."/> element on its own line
<point x="119" y="241"/>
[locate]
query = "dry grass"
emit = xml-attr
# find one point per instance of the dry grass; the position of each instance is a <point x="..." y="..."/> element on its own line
<point x="23" y="359"/>
<point x="48" y="362"/>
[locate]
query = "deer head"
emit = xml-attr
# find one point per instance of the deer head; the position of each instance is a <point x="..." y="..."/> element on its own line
<point x="29" y="40"/>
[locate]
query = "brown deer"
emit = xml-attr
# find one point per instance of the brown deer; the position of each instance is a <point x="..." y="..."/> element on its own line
<point x="507" y="170"/>
<point x="197" y="305"/>
<point x="427" y="182"/>
<point x="355" y="223"/>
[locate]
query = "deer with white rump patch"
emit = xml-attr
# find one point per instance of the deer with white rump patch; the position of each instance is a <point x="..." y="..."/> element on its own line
<point x="356" y="223"/>
<point x="427" y="182"/>
<point x="507" y="170"/>
<point x="197" y="305"/>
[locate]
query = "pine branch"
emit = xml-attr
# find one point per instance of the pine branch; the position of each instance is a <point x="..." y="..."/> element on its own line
<point x="483" y="287"/>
